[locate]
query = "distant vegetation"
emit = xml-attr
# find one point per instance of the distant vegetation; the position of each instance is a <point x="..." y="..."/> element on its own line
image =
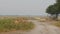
<point x="12" y="24"/>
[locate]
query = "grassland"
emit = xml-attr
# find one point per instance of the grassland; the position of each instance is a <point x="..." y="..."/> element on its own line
<point x="13" y="24"/>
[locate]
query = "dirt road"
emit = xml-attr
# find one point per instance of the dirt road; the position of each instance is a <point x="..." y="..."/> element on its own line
<point x="41" y="28"/>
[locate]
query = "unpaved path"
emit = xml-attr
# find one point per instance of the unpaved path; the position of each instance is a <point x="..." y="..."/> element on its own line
<point x="41" y="28"/>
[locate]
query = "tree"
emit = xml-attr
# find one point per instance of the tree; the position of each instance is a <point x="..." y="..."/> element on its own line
<point x="57" y="1"/>
<point x="54" y="10"/>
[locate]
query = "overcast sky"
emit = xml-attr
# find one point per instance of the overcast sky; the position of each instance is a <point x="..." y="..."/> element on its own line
<point x="24" y="7"/>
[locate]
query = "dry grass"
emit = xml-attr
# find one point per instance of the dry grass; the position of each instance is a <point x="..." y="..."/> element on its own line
<point x="11" y="24"/>
<point x="57" y="23"/>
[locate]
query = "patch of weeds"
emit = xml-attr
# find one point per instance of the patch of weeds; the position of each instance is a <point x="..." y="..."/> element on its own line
<point x="9" y="25"/>
<point x="57" y="24"/>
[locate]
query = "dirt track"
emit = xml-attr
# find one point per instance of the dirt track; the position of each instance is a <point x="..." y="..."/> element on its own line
<point x="41" y="28"/>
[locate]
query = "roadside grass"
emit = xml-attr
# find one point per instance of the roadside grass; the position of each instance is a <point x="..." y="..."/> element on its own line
<point x="10" y="24"/>
<point x="57" y="24"/>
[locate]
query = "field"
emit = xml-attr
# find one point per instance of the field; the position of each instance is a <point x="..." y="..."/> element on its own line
<point x="15" y="23"/>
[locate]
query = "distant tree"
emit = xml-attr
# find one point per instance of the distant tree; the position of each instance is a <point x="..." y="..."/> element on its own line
<point x="54" y="10"/>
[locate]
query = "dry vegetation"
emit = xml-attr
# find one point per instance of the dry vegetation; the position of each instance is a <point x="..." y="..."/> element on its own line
<point x="50" y="21"/>
<point x="56" y="23"/>
<point x="17" y="23"/>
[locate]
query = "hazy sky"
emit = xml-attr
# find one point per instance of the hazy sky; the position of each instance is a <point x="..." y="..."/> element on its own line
<point x="24" y="7"/>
